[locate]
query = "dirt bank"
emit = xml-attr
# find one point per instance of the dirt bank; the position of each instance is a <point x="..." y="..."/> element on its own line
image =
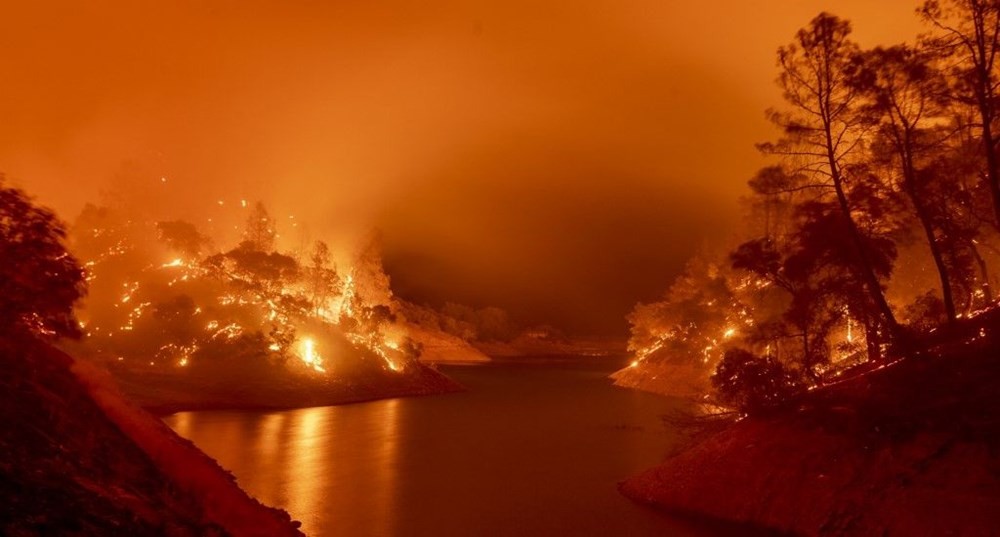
<point x="912" y="449"/>
<point x="77" y="459"/>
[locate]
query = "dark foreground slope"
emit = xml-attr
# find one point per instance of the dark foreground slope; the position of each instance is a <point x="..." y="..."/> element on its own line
<point x="912" y="449"/>
<point x="77" y="460"/>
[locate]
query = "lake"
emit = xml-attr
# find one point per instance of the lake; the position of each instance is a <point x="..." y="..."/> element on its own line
<point x="529" y="450"/>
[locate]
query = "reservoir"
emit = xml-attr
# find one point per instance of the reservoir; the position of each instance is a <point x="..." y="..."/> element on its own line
<point x="530" y="450"/>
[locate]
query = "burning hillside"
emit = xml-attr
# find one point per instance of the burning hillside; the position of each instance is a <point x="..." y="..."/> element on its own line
<point x="183" y="324"/>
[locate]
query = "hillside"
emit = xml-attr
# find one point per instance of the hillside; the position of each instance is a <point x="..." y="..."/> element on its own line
<point x="76" y="459"/>
<point x="908" y="449"/>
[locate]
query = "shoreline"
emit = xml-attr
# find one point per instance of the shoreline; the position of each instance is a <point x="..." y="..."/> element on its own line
<point x="905" y="450"/>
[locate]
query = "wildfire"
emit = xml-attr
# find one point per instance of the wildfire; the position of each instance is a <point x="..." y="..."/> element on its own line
<point x="310" y="356"/>
<point x="244" y="301"/>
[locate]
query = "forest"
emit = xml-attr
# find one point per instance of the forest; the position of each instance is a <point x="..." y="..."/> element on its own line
<point x="870" y="236"/>
<point x="223" y="325"/>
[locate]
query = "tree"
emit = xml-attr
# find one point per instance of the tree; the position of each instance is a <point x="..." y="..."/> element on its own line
<point x="324" y="283"/>
<point x="904" y="92"/>
<point x="952" y="188"/>
<point x="823" y="132"/>
<point x="825" y="257"/>
<point x="752" y="384"/>
<point x="682" y="337"/>
<point x="256" y="271"/>
<point x="969" y="36"/>
<point x="176" y="320"/>
<point x="259" y="233"/>
<point x="182" y="237"/>
<point x="368" y="276"/>
<point x="39" y="280"/>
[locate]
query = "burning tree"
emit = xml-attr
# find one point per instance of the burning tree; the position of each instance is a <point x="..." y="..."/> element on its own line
<point x="168" y="304"/>
<point x="823" y="132"/>
<point x="886" y="187"/>
<point x="681" y="339"/>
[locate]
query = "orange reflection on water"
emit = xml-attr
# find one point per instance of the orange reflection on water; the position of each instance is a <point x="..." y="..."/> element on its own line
<point x="322" y="454"/>
<point x="181" y="424"/>
<point x="335" y="469"/>
<point x="387" y="473"/>
<point x="269" y="440"/>
<point x="307" y="461"/>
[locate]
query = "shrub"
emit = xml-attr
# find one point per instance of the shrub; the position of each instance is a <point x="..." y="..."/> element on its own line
<point x="751" y="383"/>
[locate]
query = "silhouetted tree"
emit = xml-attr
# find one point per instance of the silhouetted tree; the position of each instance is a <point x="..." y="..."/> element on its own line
<point x="904" y="98"/>
<point x="823" y="131"/>
<point x="969" y="37"/>
<point x="39" y="280"/>
<point x="951" y="187"/>
<point x="751" y="383"/>
<point x="182" y="237"/>
<point x="176" y="320"/>
<point x="255" y="270"/>
<point x="826" y="256"/>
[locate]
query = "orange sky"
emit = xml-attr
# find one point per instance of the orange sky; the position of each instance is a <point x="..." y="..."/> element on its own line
<point x="561" y="161"/>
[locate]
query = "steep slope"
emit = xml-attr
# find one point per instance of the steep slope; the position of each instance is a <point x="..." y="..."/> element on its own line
<point x="912" y="449"/>
<point x="77" y="459"/>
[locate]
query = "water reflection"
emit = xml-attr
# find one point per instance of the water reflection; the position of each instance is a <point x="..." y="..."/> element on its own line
<point x="306" y="458"/>
<point x="526" y="451"/>
<point x="387" y="468"/>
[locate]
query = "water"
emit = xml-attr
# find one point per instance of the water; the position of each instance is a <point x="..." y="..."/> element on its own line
<point x="528" y="450"/>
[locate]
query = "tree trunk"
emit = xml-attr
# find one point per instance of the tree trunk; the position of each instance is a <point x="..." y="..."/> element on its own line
<point x="910" y="187"/>
<point x="872" y="340"/>
<point x="983" y="273"/>
<point x="867" y="272"/>
<point x="992" y="167"/>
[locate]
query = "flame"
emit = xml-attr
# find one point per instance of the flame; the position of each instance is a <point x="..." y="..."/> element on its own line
<point x="850" y="325"/>
<point x="310" y="356"/>
<point x="273" y="310"/>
